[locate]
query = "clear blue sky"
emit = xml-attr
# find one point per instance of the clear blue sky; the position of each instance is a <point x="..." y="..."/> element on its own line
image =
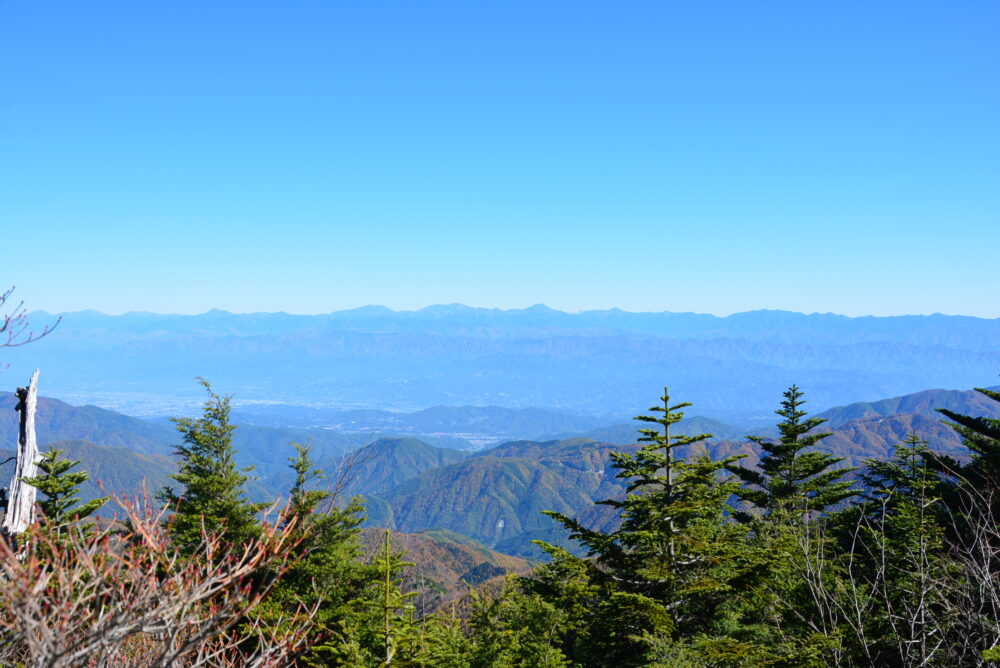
<point x="309" y="156"/>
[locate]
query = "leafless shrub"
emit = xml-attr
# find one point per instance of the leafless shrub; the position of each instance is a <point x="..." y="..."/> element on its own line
<point x="126" y="597"/>
<point x="14" y="324"/>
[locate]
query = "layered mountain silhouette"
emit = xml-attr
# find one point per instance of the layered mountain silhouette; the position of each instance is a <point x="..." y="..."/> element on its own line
<point x="605" y="363"/>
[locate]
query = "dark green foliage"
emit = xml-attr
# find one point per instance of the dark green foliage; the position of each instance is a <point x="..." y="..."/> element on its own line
<point x="395" y="609"/>
<point x="61" y="489"/>
<point x="328" y="575"/>
<point x="670" y="515"/>
<point x="481" y="573"/>
<point x="515" y="628"/>
<point x="213" y="496"/>
<point x="304" y="501"/>
<point x="982" y="436"/>
<point x="673" y="561"/>
<point x="792" y="474"/>
<point x="898" y="541"/>
<point x="972" y="497"/>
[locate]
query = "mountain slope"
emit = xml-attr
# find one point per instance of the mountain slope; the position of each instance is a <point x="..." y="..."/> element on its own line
<point x="923" y="403"/>
<point x="389" y="462"/>
<point x="115" y="469"/>
<point x="58" y="421"/>
<point x="446" y="564"/>
<point x="497" y="497"/>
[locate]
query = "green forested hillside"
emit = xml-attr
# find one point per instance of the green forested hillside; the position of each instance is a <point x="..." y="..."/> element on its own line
<point x="923" y="403"/>
<point x="115" y="469"/>
<point x="494" y="496"/>
<point x="497" y="497"/>
<point x="446" y="564"/>
<point x="388" y="462"/>
<point x="59" y="421"/>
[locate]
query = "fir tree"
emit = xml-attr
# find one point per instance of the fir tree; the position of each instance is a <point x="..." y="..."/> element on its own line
<point x="61" y="490"/>
<point x="899" y="538"/>
<point x="791" y="475"/>
<point x="213" y="497"/>
<point x="982" y="436"/>
<point x="328" y="572"/>
<point x="303" y="501"/>
<point x="671" y="562"/>
<point x="516" y="628"/>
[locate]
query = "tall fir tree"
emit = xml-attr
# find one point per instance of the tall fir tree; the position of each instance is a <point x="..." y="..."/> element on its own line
<point x="213" y="497"/>
<point x="328" y="573"/>
<point x="900" y="558"/>
<point x="791" y="474"/>
<point x="671" y="562"/>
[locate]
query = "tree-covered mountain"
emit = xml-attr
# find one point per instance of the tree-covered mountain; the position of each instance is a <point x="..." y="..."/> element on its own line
<point x="498" y="496"/>
<point x="110" y="469"/>
<point x="388" y="462"/>
<point x="59" y="421"/>
<point x="923" y="403"/>
<point x="446" y="564"/>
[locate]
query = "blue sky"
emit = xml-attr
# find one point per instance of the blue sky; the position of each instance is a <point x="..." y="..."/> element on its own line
<point x="309" y="156"/>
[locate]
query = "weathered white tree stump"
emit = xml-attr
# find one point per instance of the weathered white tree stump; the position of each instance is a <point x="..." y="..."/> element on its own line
<point x="21" y="495"/>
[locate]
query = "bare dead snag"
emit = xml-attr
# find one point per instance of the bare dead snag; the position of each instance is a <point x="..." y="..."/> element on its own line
<point x="21" y="495"/>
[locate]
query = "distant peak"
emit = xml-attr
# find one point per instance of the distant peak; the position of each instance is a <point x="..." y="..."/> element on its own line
<point x="446" y="309"/>
<point x="540" y="308"/>
<point x="371" y="309"/>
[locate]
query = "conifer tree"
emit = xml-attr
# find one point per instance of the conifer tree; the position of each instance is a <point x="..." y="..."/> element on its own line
<point x="303" y="501"/>
<point x="670" y="563"/>
<point x="395" y="609"/>
<point x="328" y="572"/>
<point x="61" y="489"/>
<point x="902" y="558"/>
<point x="982" y="436"/>
<point x="972" y="495"/>
<point x="213" y="496"/>
<point x="792" y="475"/>
<point x="516" y="628"/>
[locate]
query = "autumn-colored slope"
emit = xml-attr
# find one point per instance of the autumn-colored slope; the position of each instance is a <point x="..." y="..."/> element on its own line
<point x="447" y="564"/>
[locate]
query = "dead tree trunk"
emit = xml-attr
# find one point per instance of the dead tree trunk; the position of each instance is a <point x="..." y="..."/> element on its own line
<point x="21" y="495"/>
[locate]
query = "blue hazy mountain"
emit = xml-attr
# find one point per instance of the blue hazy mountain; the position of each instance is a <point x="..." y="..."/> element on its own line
<point x="609" y="363"/>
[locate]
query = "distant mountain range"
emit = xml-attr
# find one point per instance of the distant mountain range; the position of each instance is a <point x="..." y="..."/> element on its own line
<point x="608" y="364"/>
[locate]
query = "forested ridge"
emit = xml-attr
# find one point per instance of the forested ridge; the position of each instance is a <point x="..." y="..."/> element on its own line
<point x="785" y="557"/>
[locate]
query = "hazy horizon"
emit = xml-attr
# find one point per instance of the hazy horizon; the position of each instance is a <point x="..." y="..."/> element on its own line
<point x="495" y="308"/>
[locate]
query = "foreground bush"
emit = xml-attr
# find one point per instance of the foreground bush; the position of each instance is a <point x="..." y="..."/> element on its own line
<point x="126" y="596"/>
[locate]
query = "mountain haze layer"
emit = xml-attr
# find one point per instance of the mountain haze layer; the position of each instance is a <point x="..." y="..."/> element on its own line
<point x="598" y="363"/>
